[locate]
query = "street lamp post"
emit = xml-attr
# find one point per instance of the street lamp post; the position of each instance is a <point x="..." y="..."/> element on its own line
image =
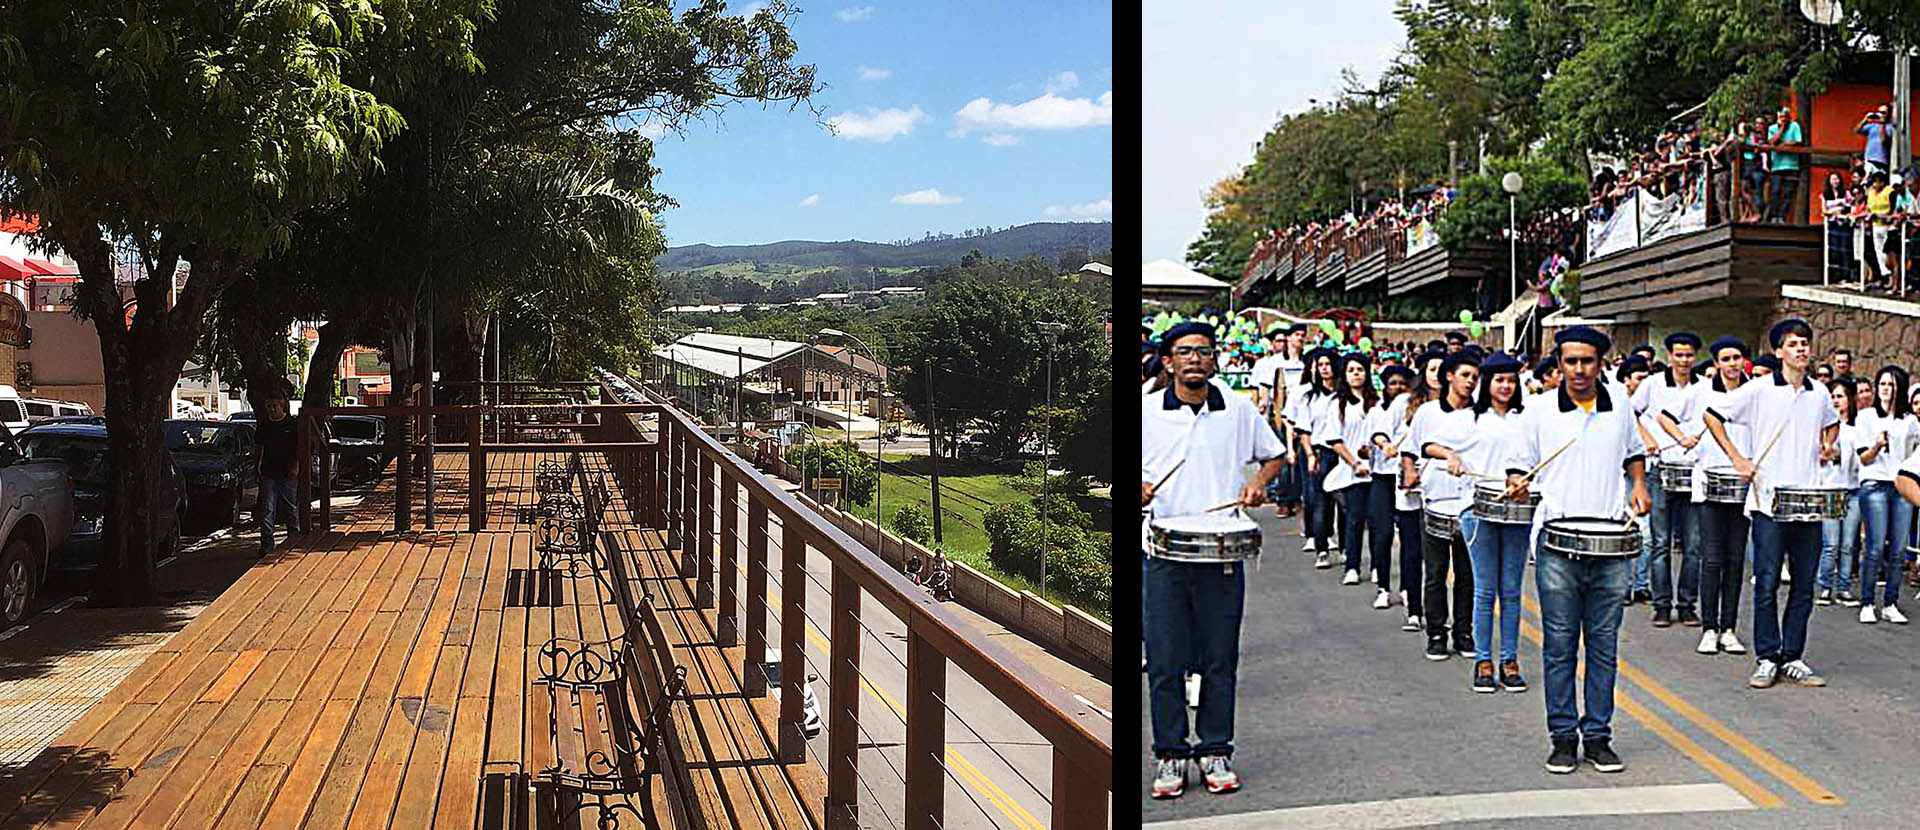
<point x="830" y="332"/>
<point x="1052" y="332"/>
<point x="1512" y="182"/>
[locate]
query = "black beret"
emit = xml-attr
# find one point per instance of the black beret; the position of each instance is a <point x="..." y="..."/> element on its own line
<point x="1546" y="364"/>
<point x="1727" y="342"/>
<point x="1404" y="373"/>
<point x="1302" y="328"/>
<point x="1151" y="368"/>
<point x="1457" y="335"/>
<point x="1478" y="352"/>
<point x="1769" y="361"/>
<point x="1633" y="364"/>
<point x="1436" y="345"/>
<point x="1788" y="326"/>
<point x="1430" y="354"/>
<point x="1680" y="337"/>
<point x="1500" y="363"/>
<point x="1186" y="329"/>
<point x="1583" y="334"/>
<point x="1457" y="360"/>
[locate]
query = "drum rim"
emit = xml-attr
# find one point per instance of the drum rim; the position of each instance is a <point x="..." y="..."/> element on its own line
<point x="1628" y="530"/>
<point x="1251" y="527"/>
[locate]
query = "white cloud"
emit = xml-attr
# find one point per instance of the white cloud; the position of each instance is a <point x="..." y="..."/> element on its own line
<point x="872" y="73"/>
<point x="652" y="130"/>
<point x="1062" y="82"/>
<point x="930" y="196"/>
<point x="1047" y="112"/>
<point x="855" y="14"/>
<point x="876" y="125"/>
<point x="810" y="201"/>
<point x="752" y="8"/>
<point x="1000" y="140"/>
<point x="1089" y="210"/>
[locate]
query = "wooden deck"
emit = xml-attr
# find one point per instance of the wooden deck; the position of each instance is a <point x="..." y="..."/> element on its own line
<point x="365" y="679"/>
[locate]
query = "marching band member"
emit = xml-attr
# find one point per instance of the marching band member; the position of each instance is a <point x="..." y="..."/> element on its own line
<point x="1672" y="518"/>
<point x="1840" y="538"/>
<point x="1795" y="427"/>
<point x="1591" y="427"/>
<point x="1498" y="551"/>
<point x="1720" y="528"/>
<point x="1315" y="392"/>
<point x="1442" y="490"/>
<point x="1344" y="432"/>
<point x="1383" y="493"/>
<point x="1406" y="506"/>
<point x="1194" y="610"/>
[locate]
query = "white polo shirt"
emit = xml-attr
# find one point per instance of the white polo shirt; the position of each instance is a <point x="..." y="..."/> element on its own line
<point x="1900" y="435"/>
<point x="1315" y="409"/>
<point x="1911" y="469"/>
<point x="1350" y="429"/>
<point x="1440" y="491"/>
<point x="1655" y="394"/>
<point x="1485" y="442"/>
<point x="1392" y="423"/>
<point x="1589" y="477"/>
<point x="1689" y="412"/>
<point x="1216" y="442"/>
<point x="1846" y="471"/>
<point x="1796" y="414"/>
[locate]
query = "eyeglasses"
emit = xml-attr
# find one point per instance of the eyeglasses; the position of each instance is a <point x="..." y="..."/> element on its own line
<point x="1193" y="351"/>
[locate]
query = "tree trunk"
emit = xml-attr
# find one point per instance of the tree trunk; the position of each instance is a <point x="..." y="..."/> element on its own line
<point x="325" y="363"/>
<point x="403" y="321"/>
<point x="262" y="351"/>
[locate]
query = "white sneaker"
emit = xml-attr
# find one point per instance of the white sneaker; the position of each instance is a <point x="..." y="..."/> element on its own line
<point x="1403" y="598"/>
<point x="1709" y="642"/>
<point x="1382" y="600"/>
<point x="1785" y="578"/>
<point x="1413" y="623"/>
<point x="1731" y="644"/>
<point x="1891" y="613"/>
<point x="1765" y="673"/>
<point x="1193" y="691"/>
<point x="1866" y="614"/>
<point x="1352" y="577"/>
<point x="1373" y="575"/>
<point x="1219" y="775"/>
<point x="1170" y="778"/>
<point x="1323" y="561"/>
<point x="1800" y="673"/>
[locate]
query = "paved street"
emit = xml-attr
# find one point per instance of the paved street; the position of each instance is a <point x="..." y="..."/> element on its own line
<point x="1343" y="723"/>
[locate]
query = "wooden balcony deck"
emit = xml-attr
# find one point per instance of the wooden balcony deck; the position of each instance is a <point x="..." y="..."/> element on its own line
<point x="361" y="678"/>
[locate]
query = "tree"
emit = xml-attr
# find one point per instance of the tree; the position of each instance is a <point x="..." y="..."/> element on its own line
<point x="1479" y="213"/>
<point x="151" y="138"/>
<point x="859" y="478"/>
<point x="911" y="522"/>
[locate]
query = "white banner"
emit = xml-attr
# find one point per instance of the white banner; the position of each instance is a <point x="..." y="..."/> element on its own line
<point x="1421" y="237"/>
<point x="1620" y="232"/>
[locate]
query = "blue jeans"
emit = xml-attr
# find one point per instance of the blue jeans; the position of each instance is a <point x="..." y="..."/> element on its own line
<point x="274" y="494"/>
<point x="1579" y="602"/>
<point x="1722" y="530"/>
<point x="1380" y="522"/>
<point x="1354" y="504"/>
<point x="1888" y="518"/>
<point x="1840" y="547"/>
<point x="1284" y="489"/>
<point x="1319" y="518"/>
<point x="1783" y="185"/>
<point x="1780" y="634"/>
<point x="1672" y="521"/>
<point x="1193" y="620"/>
<point x="1499" y="553"/>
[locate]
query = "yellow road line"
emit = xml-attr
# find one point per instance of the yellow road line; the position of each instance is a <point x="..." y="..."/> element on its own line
<point x="1761" y="758"/>
<point x="962" y="768"/>
<point x="1760" y="796"/>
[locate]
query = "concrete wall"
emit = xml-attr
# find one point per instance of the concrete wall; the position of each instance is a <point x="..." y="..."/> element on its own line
<point x="1066" y="627"/>
<point x="1879" y="331"/>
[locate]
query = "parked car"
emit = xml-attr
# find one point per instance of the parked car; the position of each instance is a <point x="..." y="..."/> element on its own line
<point x="217" y="457"/>
<point x="84" y="449"/>
<point x="36" y="515"/>
<point x="98" y="420"/>
<point x="12" y="411"/>
<point x="362" y="448"/>
<point x="809" y="705"/>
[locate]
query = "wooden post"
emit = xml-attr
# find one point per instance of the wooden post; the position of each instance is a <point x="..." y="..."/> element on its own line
<point x="1079" y="800"/>
<point x="476" y="476"/>
<point x="686" y="479"/>
<point x="703" y="593"/>
<point x="843" y="703"/>
<point x="927" y="735"/>
<point x="793" y="622"/>
<point x="326" y="478"/>
<point x="756" y="596"/>
<point x="403" y="477"/>
<point x="727" y="629"/>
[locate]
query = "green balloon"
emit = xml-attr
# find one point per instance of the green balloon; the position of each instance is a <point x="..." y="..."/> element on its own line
<point x="1466" y="317"/>
<point x="1328" y="326"/>
<point x="1476" y="328"/>
<point x="1337" y="335"/>
<point x="1366" y="344"/>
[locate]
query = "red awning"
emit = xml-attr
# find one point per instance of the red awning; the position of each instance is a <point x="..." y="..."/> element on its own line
<point x="13" y="269"/>
<point x="52" y="270"/>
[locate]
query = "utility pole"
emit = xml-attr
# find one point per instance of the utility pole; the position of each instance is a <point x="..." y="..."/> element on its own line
<point x="427" y="392"/>
<point x="933" y="452"/>
<point x="1052" y="332"/>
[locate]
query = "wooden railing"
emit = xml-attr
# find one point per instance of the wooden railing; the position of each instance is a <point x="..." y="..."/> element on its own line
<point x="674" y="489"/>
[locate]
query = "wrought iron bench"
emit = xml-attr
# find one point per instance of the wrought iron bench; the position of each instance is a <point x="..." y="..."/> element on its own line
<point x="595" y="731"/>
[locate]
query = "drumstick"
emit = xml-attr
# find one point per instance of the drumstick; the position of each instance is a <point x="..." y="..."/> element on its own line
<point x="1540" y="466"/>
<point x="1769" y="450"/>
<point x="1219" y="507"/>
<point x="1170" y="471"/>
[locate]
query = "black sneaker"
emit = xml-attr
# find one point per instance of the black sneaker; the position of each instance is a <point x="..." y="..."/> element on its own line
<point x="1643" y="595"/>
<point x="1662" y="618"/>
<point x="1437" y="648"/>
<point x="1689" y="619"/>
<point x="1511" y="678"/>
<point x="1483" y="682"/>
<point x="1464" y="648"/>
<point x="1565" y="757"/>
<point x="1601" y="755"/>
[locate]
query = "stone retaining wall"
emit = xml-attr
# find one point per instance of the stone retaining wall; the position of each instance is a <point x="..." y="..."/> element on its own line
<point x="1879" y="331"/>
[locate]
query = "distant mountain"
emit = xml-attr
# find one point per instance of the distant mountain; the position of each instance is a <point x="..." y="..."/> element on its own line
<point x="1049" y="239"/>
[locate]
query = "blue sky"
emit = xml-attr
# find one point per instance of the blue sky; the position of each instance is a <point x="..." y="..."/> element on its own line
<point x="917" y="149"/>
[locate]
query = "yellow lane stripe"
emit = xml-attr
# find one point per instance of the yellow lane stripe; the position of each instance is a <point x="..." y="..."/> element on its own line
<point x="1760" y="796"/>
<point x="1761" y="758"/>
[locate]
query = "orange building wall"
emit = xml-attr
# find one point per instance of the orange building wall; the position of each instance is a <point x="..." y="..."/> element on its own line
<point x="1835" y="113"/>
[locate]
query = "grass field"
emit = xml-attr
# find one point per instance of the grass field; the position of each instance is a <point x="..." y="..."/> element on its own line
<point x="773" y="270"/>
<point x="966" y="491"/>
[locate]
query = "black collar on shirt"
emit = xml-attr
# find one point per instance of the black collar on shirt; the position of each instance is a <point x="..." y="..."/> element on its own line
<point x="1215" y="400"/>
<point x="1806" y="381"/>
<point x="1444" y="406"/>
<point x="1602" y="403"/>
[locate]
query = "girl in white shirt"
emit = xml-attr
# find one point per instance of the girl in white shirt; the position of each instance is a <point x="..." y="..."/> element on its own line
<point x="1386" y="469"/>
<point x="1884" y="437"/>
<point x="1344" y="430"/>
<point x="1309" y="408"/>
<point x="1840" y="538"/>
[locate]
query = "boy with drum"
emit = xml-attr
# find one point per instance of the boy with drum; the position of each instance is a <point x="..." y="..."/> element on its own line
<point x="1445" y="494"/>
<point x="1794" y="427"/>
<point x="1720" y="525"/>
<point x="1672" y="518"/>
<point x="1572" y="447"/>
<point x="1195" y="444"/>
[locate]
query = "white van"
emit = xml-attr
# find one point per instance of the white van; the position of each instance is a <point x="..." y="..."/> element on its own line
<point x="13" y="413"/>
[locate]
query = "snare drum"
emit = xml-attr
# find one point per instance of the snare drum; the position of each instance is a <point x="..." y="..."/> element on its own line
<point x="1439" y="525"/>
<point x="1204" y="539"/>
<point x="1488" y="504"/>
<point x="1809" y="504"/>
<point x="1724" y="486"/>
<point x="1675" y="479"/>
<point x="1588" y="536"/>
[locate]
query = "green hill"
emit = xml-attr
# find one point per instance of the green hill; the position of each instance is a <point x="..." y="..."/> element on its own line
<point x="1049" y="239"/>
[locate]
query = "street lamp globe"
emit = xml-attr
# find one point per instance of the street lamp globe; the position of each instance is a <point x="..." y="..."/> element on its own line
<point x="1512" y="182"/>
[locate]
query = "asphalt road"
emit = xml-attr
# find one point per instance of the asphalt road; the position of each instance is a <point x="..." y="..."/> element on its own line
<point x="1341" y="722"/>
<point x="1001" y="777"/>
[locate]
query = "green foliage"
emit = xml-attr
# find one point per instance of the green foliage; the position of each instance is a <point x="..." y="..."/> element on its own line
<point x="912" y="522"/>
<point x="1079" y="562"/>
<point x="1480" y="211"/>
<point x="839" y="459"/>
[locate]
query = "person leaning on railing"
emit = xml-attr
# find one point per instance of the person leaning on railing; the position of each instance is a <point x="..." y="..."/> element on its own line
<point x="1784" y="166"/>
<point x="1834" y="207"/>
